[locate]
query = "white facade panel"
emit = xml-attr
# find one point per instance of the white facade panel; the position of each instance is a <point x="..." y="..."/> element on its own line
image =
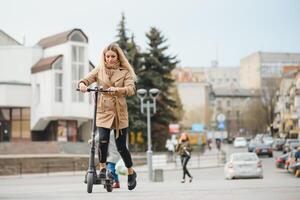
<point x="194" y="100"/>
<point x="15" y="95"/>
<point x="16" y="62"/>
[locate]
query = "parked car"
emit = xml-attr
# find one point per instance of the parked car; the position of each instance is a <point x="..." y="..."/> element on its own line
<point x="278" y="144"/>
<point x="268" y="140"/>
<point x="264" y="149"/>
<point x="243" y="165"/>
<point x="280" y="161"/>
<point x="290" y="144"/>
<point x="240" y="142"/>
<point x="253" y="144"/>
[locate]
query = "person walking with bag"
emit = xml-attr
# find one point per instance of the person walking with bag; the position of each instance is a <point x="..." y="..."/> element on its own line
<point x="116" y="75"/>
<point x="112" y="157"/>
<point x="184" y="149"/>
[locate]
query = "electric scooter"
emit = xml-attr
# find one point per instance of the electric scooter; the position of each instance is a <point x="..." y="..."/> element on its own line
<point x="92" y="178"/>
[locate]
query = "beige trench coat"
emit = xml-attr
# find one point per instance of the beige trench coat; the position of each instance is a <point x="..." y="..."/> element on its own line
<point x="112" y="109"/>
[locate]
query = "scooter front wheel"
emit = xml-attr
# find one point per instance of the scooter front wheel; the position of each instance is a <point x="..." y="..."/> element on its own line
<point x="109" y="188"/>
<point x="90" y="181"/>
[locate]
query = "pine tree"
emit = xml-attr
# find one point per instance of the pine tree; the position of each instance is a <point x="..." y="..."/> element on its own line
<point x="156" y="73"/>
<point x="122" y="38"/>
<point x="137" y="121"/>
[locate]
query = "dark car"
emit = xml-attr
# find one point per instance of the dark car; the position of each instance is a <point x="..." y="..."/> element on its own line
<point x="290" y="144"/>
<point x="264" y="149"/>
<point x="278" y="144"/>
<point x="280" y="160"/>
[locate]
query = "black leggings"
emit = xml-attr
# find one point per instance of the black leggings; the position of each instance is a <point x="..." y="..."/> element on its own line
<point x="184" y="162"/>
<point x="104" y="134"/>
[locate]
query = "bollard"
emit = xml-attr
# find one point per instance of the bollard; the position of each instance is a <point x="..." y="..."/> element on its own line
<point x="221" y="157"/>
<point x="21" y="169"/>
<point x="158" y="175"/>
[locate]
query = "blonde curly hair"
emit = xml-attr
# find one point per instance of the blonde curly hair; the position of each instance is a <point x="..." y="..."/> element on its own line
<point x="121" y="56"/>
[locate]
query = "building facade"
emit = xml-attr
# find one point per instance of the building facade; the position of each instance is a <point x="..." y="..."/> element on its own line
<point x="235" y="106"/>
<point x="195" y="86"/>
<point x="287" y="104"/>
<point x="260" y="67"/>
<point x="40" y="101"/>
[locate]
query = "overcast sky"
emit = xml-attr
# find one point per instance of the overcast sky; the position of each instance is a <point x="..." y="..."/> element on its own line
<point x="198" y="31"/>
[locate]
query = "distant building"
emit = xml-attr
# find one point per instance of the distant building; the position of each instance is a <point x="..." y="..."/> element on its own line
<point x="195" y="99"/>
<point x="286" y="122"/>
<point x="194" y="87"/>
<point x="39" y="101"/>
<point x="218" y="77"/>
<point x="234" y="104"/>
<point x="259" y="67"/>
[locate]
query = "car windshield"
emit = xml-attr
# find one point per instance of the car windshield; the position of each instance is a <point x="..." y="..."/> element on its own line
<point x="268" y="138"/>
<point x="292" y="141"/>
<point x="244" y="157"/>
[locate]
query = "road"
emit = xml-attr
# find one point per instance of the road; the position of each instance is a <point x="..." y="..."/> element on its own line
<point x="208" y="183"/>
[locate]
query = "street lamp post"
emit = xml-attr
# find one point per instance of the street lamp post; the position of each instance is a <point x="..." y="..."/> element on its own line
<point x="142" y="94"/>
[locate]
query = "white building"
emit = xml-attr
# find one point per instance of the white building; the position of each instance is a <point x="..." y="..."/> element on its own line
<point x="38" y="86"/>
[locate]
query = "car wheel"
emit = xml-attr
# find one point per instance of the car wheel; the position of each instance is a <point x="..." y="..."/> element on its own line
<point x="270" y="155"/>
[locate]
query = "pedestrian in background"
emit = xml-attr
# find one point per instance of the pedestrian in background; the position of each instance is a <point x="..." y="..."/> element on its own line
<point x="184" y="149"/>
<point x="112" y="158"/>
<point x="171" y="149"/>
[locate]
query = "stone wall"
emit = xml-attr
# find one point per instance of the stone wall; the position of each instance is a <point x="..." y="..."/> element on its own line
<point x="14" y="165"/>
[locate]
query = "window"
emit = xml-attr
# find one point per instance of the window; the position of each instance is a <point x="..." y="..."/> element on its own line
<point x="58" y="87"/>
<point x="77" y="37"/>
<point x="237" y="114"/>
<point x="228" y="102"/>
<point x="4" y="114"/>
<point x="77" y="71"/>
<point x="72" y="131"/>
<point x="20" y="123"/>
<point x="37" y="94"/>
<point x="58" y="64"/>
<point x="58" y="80"/>
<point x="228" y="114"/>
<point x="219" y="103"/>
<point x="67" y="131"/>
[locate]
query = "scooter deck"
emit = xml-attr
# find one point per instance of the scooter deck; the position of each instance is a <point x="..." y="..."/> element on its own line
<point x="103" y="181"/>
<point x="100" y="181"/>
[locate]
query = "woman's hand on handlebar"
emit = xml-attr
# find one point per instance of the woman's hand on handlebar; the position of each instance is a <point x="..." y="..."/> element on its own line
<point x="112" y="89"/>
<point x="82" y="87"/>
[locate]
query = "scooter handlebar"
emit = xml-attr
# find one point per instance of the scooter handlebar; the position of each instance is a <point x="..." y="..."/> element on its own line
<point x="95" y="89"/>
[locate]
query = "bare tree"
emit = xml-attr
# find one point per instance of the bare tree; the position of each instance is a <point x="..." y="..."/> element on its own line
<point x="269" y="86"/>
<point x="255" y="117"/>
